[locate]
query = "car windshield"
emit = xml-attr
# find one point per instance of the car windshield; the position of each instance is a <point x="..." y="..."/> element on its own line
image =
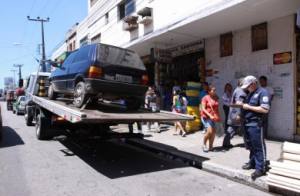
<point x="22" y="98"/>
<point x="118" y="56"/>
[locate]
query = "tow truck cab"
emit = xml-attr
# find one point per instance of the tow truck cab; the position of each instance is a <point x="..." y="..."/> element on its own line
<point x="33" y="88"/>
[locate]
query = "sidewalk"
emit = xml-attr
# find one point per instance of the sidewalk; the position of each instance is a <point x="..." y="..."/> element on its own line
<point x="225" y="163"/>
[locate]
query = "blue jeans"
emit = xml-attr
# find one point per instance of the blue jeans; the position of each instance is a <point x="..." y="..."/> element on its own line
<point x="207" y="123"/>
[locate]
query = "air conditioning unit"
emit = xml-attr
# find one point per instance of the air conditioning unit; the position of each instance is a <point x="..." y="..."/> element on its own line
<point x="130" y="26"/>
<point x="145" y="20"/>
<point x="146" y="15"/>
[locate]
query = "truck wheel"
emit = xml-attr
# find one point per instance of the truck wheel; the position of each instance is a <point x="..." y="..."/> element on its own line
<point x="28" y="120"/>
<point x="80" y="96"/>
<point x="42" y="127"/>
<point x="51" y="94"/>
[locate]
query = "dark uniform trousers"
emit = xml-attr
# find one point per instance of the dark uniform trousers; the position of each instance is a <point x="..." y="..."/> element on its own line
<point x="254" y="140"/>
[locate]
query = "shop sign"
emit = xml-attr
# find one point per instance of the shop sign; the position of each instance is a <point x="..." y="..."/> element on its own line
<point x="282" y="58"/>
<point x="187" y="48"/>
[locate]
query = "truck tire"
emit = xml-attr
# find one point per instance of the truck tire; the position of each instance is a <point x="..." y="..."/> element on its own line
<point x="28" y="120"/>
<point x="51" y="94"/>
<point x="42" y="127"/>
<point x="80" y="96"/>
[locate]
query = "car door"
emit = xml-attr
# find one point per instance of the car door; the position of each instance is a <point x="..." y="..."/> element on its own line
<point x="59" y="77"/>
<point x="79" y="66"/>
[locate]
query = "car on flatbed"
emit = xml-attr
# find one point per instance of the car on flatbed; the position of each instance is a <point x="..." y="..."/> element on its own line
<point x="101" y="71"/>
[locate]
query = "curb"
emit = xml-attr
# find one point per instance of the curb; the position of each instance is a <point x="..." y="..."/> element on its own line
<point x="201" y="163"/>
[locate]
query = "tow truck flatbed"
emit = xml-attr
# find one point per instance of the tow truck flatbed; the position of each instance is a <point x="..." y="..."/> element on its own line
<point x="105" y="114"/>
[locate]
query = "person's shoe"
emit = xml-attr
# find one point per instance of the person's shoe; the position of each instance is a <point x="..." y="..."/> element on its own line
<point x="205" y="149"/>
<point x="183" y="134"/>
<point x="247" y="166"/>
<point x="257" y="174"/>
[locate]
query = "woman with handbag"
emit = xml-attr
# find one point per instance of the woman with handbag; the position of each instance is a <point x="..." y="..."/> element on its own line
<point x="209" y="116"/>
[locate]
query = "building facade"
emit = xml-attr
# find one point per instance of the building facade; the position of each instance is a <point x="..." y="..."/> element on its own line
<point x="215" y="41"/>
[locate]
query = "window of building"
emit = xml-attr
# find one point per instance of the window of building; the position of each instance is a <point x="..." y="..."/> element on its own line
<point x="126" y="8"/>
<point x="96" y="38"/>
<point x="259" y="34"/>
<point x="226" y="44"/>
<point x="106" y="18"/>
<point x="92" y="2"/>
<point x="84" y="41"/>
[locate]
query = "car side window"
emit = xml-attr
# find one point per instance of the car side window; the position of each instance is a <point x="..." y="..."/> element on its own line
<point x="82" y="54"/>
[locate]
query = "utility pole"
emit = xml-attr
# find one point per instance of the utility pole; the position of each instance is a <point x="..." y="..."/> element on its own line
<point x="14" y="84"/>
<point x="20" y="81"/>
<point x="38" y="19"/>
<point x="20" y="71"/>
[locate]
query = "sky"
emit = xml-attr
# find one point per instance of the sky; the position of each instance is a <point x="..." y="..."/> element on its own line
<point x="19" y="38"/>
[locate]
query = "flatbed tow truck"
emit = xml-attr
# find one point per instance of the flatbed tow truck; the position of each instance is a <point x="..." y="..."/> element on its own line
<point x="62" y="114"/>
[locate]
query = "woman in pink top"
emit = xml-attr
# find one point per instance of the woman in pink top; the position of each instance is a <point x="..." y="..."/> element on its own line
<point x="210" y="115"/>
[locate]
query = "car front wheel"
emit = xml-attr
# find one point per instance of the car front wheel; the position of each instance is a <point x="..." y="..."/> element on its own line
<point x="51" y="94"/>
<point x="80" y="96"/>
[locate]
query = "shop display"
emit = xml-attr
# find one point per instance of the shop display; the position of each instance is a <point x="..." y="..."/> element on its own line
<point x="192" y="93"/>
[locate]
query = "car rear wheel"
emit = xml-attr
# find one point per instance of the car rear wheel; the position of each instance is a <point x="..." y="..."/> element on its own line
<point x="80" y="96"/>
<point x="51" y="94"/>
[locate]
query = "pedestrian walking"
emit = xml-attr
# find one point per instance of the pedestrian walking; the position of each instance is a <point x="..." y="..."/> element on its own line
<point x="209" y="116"/>
<point x="203" y="92"/>
<point x="152" y="103"/>
<point x="234" y="120"/>
<point x="179" y="106"/>
<point x="257" y="104"/>
<point x="263" y="81"/>
<point x="226" y="101"/>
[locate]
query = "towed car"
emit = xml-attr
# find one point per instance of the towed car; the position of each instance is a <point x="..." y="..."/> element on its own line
<point x="19" y="105"/>
<point x="100" y="71"/>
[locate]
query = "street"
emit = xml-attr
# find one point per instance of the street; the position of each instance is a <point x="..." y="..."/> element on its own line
<point x="64" y="167"/>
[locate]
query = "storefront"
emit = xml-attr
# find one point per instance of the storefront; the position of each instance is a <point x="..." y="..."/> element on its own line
<point x="175" y="66"/>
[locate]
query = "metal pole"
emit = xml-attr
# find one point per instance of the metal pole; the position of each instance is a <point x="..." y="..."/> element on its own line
<point x="43" y="49"/>
<point x="14" y="82"/>
<point x="20" y="71"/>
<point x="38" y="19"/>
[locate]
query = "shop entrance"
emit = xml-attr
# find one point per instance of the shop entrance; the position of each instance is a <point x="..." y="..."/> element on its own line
<point x="179" y="71"/>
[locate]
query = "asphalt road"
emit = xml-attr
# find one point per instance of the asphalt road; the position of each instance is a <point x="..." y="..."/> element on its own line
<point x="88" y="167"/>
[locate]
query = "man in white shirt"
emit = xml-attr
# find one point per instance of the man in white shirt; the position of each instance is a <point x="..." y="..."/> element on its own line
<point x="263" y="81"/>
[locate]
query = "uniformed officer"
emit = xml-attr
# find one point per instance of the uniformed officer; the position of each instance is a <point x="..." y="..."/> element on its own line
<point x="257" y="104"/>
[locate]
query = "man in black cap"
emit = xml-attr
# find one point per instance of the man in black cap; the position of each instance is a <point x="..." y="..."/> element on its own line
<point x="255" y="106"/>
